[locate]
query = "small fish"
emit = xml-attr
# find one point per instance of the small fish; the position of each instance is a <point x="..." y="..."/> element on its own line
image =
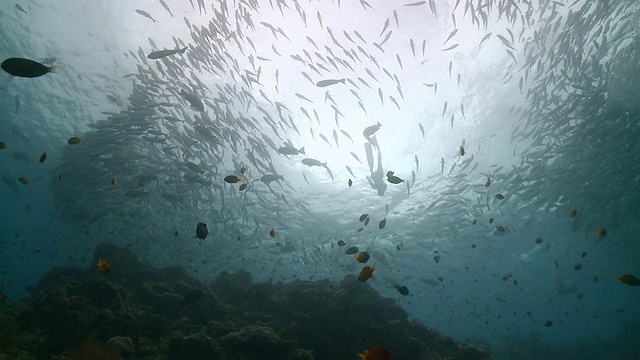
<point x="601" y="232"/>
<point x="313" y="162"/>
<point x="43" y="158"/>
<point x="487" y="182"/>
<point x="75" y="140"/>
<point x="288" y="150"/>
<point x="341" y="243"/>
<point x="362" y="257"/>
<point x="500" y="228"/>
<point x="104" y="266"/>
<point x="539" y="240"/>
<point x="461" y="151"/>
<point x="244" y="169"/>
<point x="548" y="323"/>
<point x="329" y="82"/>
<point x="628" y="279"/>
<point x="244" y="186"/>
<point x="490" y="220"/>
<point x="232" y="179"/>
<point x="164" y="53"/>
<point x="25" y="180"/>
<point x="114" y="181"/>
<point x="366" y="221"/>
<point x="378" y="352"/>
<point x="366" y="274"/>
<point x="578" y="266"/>
<point x="393" y="179"/>
<point x="202" y="231"/>
<point x="573" y="212"/>
<point x="350" y="183"/>
<point x="364" y="217"/>
<point x="4" y="146"/>
<point x="352" y="250"/>
<point x="25" y="68"/>
<point x="273" y="233"/>
<point x="403" y="290"/>
<point x="271" y="177"/>
<point x="20" y="8"/>
<point x="499" y="196"/>
<point x="382" y="224"/>
<point x="145" y="14"/>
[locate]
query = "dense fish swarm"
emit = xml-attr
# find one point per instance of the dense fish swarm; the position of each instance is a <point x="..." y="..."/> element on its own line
<point x="522" y="112"/>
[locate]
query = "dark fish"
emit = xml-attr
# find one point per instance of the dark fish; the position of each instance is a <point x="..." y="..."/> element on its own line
<point x="341" y="243"/>
<point x="232" y="179"/>
<point x="364" y="217"/>
<point x="25" y="68"/>
<point x="382" y="224"/>
<point x="193" y="100"/>
<point x="539" y="240"/>
<point x="352" y="250"/>
<point x="164" y="53"/>
<point x="202" y="231"/>
<point x="43" y="158"/>
<point x="362" y="257"/>
<point x="350" y="183"/>
<point x="75" y="140"/>
<point x="243" y="186"/>
<point x="366" y="221"/>
<point x="548" y="323"/>
<point x="392" y="178"/>
<point x="499" y="196"/>
<point x="192" y="297"/>
<point x="329" y="82"/>
<point x="403" y="290"/>
<point x="628" y="279"/>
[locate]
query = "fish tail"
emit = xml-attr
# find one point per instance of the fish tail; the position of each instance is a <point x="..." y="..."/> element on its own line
<point x="301" y="151"/>
<point x="52" y="69"/>
<point x="618" y="278"/>
<point x="342" y="80"/>
<point x="183" y="50"/>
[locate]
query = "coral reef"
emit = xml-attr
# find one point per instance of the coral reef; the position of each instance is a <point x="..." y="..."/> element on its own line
<point x="140" y="312"/>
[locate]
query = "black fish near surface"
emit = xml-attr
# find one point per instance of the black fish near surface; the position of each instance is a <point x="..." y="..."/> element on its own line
<point x="202" y="231"/>
<point x="25" y="68"/>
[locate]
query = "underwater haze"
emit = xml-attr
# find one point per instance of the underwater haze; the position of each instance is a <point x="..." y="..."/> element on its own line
<point x="484" y="153"/>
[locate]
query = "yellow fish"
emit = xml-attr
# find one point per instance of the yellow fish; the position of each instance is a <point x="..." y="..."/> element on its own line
<point x="114" y="181"/>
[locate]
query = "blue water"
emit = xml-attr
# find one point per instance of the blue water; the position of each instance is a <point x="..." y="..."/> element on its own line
<point x="551" y="117"/>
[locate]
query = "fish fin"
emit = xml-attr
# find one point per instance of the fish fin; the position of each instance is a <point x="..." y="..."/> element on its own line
<point x="362" y="356"/>
<point x="301" y="151"/>
<point x="618" y="278"/>
<point x="342" y="80"/>
<point x="52" y="69"/>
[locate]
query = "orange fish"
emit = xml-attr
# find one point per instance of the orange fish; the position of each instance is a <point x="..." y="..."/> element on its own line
<point x="273" y="233"/>
<point x="104" y="266"/>
<point x="601" y="232"/>
<point x="366" y="273"/>
<point x="362" y="257"/>
<point x="628" y="279"/>
<point x="376" y="353"/>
